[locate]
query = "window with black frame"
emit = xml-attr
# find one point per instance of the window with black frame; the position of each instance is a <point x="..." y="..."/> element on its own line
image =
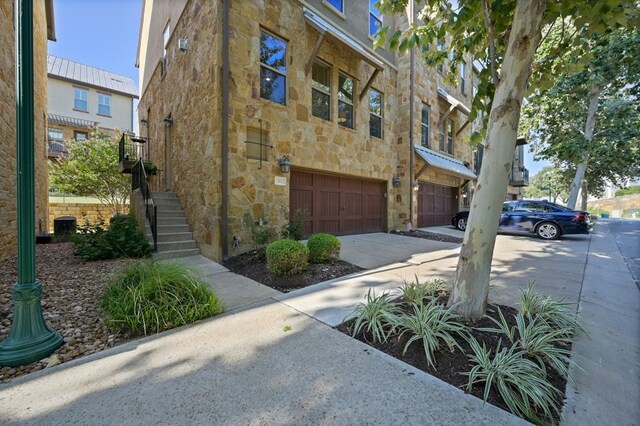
<point x="321" y="90"/>
<point x="424" y="136"/>
<point x="345" y="100"/>
<point x="273" y="68"/>
<point x="375" y="113"/>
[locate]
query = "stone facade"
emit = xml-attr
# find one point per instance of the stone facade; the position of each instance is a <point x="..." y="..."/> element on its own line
<point x="8" y="177"/>
<point x="91" y="211"/>
<point x="189" y="150"/>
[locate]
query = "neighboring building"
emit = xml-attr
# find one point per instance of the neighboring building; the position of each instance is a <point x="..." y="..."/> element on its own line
<point x="81" y="98"/>
<point x="305" y="87"/>
<point x="43" y="29"/>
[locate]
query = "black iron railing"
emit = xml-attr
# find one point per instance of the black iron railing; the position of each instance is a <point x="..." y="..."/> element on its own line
<point x="132" y="148"/>
<point x="140" y="181"/>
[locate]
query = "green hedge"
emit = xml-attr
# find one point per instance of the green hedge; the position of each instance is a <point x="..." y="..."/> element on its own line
<point x="287" y="257"/>
<point x="123" y="238"/>
<point x="323" y="248"/>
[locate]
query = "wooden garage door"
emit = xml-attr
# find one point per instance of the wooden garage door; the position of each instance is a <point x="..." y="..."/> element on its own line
<point x="436" y="204"/>
<point x="337" y="205"/>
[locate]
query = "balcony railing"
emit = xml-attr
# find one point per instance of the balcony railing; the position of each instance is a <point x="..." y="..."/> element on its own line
<point x="140" y="182"/>
<point x="131" y="149"/>
<point x="519" y="177"/>
<point x="56" y="148"/>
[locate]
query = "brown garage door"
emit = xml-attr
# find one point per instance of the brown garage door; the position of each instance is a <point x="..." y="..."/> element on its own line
<point x="436" y="204"/>
<point x="338" y="205"/>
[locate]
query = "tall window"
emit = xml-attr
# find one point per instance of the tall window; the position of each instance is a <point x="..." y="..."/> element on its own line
<point x="345" y="101"/>
<point x="425" y="126"/>
<point x="450" y="136"/>
<point x="375" y="20"/>
<point x="273" y="68"/>
<point x="336" y="4"/>
<point x="104" y="104"/>
<point x="80" y="99"/>
<point x="440" y="47"/>
<point x="375" y="113"/>
<point x="463" y="78"/>
<point x="321" y="90"/>
<point x="165" y="39"/>
<point x="441" y="135"/>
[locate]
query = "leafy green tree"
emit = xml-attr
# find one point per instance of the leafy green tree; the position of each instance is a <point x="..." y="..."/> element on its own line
<point x="91" y="170"/>
<point x="504" y="36"/>
<point x="591" y="116"/>
<point x="550" y="181"/>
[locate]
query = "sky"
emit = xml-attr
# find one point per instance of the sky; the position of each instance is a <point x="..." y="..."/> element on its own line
<point x="99" y="33"/>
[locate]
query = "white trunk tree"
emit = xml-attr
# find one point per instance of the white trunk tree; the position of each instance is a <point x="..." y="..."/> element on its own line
<point x="471" y="285"/>
<point x="594" y="96"/>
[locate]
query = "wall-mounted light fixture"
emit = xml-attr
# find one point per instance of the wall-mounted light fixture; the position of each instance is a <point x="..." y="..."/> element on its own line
<point x="168" y="121"/>
<point x="183" y="44"/>
<point x="143" y="121"/>
<point x="416" y="186"/>
<point x="395" y="181"/>
<point x="285" y="164"/>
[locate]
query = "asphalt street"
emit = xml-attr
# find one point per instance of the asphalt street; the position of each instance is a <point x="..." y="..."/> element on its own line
<point x="627" y="235"/>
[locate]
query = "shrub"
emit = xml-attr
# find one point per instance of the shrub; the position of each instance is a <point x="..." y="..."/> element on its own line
<point x="520" y="381"/>
<point x="151" y="297"/>
<point x="260" y="232"/>
<point x="121" y="239"/>
<point x="323" y="248"/>
<point x="558" y="314"/>
<point x="628" y="191"/>
<point x="296" y="227"/>
<point x="376" y="315"/>
<point x="416" y="292"/>
<point x="432" y="323"/>
<point x="287" y="257"/>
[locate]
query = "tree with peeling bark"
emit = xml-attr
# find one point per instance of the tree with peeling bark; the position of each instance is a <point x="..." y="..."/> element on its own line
<point x="590" y="117"/>
<point x="503" y="36"/>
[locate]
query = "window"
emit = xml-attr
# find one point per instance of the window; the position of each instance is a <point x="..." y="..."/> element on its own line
<point x="336" y="4"/>
<point x="446" y="136"/>
<point x="257" y="146"/>
<point x="80" y="136"/>
<point x="55" y="135"/>
<point x="80" y="99"/>
<point x="273" y="68"/>
<point x="345" y="101"/>
<point x="463" y="79"/>
<point x="450" y="136"/>
<point x="375" y="21"/>
<point x="441" y="135"/>
<point x="321" y="90"/>
<point x="375" y="113"/>
<point x="165" y="38"/>
<point x="104" y="104"/>
<point x="440" y="46"/>
<point x="529" y="206"/>
<point x="425" y="126"/>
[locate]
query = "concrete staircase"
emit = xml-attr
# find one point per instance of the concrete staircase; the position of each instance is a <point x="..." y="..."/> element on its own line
<point x="174" y="238"/>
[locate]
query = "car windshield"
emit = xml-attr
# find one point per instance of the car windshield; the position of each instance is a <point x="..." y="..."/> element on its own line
<point x="559" y="207"/>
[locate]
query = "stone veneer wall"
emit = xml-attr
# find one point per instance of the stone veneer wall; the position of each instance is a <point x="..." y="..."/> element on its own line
<point x="624" y="202"/>
<point x="93" y="212"/>
<point x="8" y="221"/>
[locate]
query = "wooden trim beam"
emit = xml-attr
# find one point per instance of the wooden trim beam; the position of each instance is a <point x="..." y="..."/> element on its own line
<point x="314" y="54"/>
<point x="369" y="83"/>
<point x="421" y="171"/>
<point x="446" y="115"/>
<point x="466" y="123"/>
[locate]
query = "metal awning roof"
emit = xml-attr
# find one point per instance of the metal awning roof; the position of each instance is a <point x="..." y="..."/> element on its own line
<point x="324" y="27"/>
<point x="71" y="121"/>
<point x="441" y="161"/>
<point x="453" y="101"/>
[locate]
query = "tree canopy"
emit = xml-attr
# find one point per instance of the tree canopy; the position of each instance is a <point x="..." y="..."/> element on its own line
<point x="91" y="169"/>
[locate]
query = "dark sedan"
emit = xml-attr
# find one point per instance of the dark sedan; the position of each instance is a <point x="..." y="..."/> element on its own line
<point x="548" y="220"/>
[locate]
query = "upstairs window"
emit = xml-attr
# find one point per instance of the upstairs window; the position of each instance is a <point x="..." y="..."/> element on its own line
<point x="321" y="90"/>
<point x="449" y="130"/>
<point x="424" y="139"/>
<point x="165" y="42"/>
<point x="375" y="20"/>
<point x="55" y="135"/>
<point x="336" y="4"/>
<point x="345" y="101"/>
<point x="440" y="67"/>
<point x="446" y="136"/>
<point x="375" y="113"/>
<point x="104" y="104"/>
<point x="273" y="68"/>
<point x="80" y="136"/>
<point x="80" y="99"/>
<point x="463" y="78"/>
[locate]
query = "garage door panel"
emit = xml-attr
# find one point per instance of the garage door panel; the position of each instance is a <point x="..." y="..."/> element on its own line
<point x="329" y="204"/>
<point x="353" y="204"/>
<point x="436" y="204"/>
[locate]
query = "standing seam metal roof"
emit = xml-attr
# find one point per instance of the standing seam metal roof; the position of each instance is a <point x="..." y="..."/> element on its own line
<point x="96" y="77"/>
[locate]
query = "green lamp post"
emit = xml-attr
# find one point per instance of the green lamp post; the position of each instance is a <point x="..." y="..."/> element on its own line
<point x="30" y="338"/>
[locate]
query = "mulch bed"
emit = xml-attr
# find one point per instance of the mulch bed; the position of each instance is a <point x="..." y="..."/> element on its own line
<point x="416" y="233"/>
<point x="72" y="295"/>
<point x="253" y="265"/>
<point x="449" y="364"/>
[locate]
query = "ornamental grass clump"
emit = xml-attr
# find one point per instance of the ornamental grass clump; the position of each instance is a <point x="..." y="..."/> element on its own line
<point x="323" y="248"/>
<point x="417" y="292"/>
<point x="287" y="257"/>
<point x="150" y="297"/>
<point x="521" y="382"/>
<point x="557" y="314"/>
<point x="432" y="324"/>
<point x="376" y="317"/>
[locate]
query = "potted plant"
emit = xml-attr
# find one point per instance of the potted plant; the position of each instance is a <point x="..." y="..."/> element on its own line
<point x="150" y="168"/>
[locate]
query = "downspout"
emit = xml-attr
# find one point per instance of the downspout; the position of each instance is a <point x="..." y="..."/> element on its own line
<point x="225" y="129"/>
<point x="411" y="106"/>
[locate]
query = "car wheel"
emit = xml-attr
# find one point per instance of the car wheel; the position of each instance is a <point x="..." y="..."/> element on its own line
<point x="462" y="223"/>
<point x="548" y="231"/>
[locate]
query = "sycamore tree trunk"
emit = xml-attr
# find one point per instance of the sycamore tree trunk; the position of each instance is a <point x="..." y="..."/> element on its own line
<point x="585" y="195"/>
<point x="471" y="285"/>
<point x="594" y="96"/>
